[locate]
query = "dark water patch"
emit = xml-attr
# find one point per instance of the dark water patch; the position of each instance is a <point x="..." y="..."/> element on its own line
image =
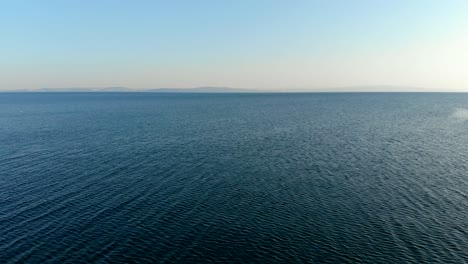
<point x="239" y="178"/>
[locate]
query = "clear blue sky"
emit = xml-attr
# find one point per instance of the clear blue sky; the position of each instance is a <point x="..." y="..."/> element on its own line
<point x="243" y="43"/>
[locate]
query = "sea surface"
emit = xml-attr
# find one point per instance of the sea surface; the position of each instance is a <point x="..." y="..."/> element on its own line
<point x="234" y="178"/>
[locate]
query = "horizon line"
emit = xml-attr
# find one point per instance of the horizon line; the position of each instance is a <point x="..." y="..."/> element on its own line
<point x="226" y="89"/>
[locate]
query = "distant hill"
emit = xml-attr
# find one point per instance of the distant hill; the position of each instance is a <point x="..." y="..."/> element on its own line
<point x="78" y="89"/>
<point x="210" y="89"/>
<point x="156" y="90"/>
<point x="201" y="90"/>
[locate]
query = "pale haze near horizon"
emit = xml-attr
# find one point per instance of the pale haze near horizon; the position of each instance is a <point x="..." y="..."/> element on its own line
<point x="269" y="45"/>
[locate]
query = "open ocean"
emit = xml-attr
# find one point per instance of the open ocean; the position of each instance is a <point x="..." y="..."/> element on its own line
<point x="235" y="178"/>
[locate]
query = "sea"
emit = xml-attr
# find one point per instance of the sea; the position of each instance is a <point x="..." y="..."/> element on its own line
<point x="233" y="178"/>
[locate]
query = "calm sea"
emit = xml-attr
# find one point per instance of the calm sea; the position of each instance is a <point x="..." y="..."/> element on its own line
<point x="237" y="178"/>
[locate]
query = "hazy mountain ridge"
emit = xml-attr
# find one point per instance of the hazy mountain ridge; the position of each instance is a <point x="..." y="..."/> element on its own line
<point x="76" y="89"/>
<point x="212" y="89"/>
<point x="207" y="89"/>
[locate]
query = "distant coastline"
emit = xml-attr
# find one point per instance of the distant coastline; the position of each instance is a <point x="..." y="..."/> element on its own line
<point x="210" y="89"/>
<point x="154" y="90"/>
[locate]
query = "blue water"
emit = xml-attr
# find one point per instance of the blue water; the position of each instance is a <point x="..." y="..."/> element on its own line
<point x="238" y="178"/>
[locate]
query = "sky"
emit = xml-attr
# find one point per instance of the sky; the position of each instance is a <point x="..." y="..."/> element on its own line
<point x="259" y="44"/>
